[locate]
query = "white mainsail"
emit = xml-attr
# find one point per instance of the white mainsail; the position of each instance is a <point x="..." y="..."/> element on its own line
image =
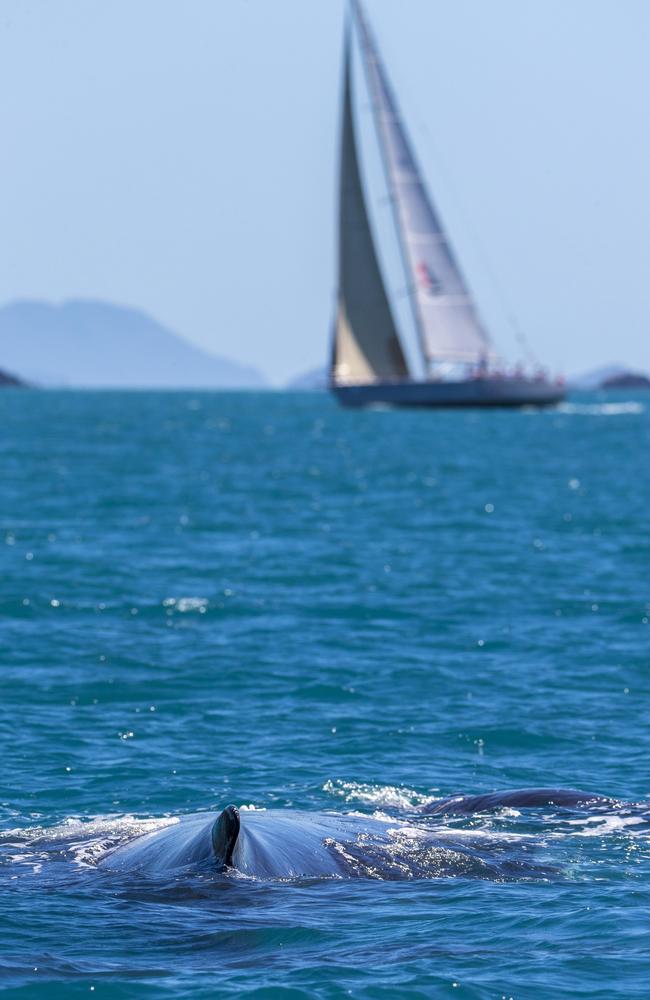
<point x="366" y="346"/>
<point x="448" y="324"/>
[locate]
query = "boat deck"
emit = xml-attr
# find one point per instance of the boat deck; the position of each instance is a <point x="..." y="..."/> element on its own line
<point x="510" y="392"/>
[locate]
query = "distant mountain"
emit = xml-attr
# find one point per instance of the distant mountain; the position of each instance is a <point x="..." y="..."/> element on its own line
<point x="7" y="380"/>
<point x="627" y="380"/>
<point x="99" y="345"/>
<point x="610" y="377"/>
<point x="316" y="379"/>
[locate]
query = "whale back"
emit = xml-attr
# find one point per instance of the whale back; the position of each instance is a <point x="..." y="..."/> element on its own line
<point x="518" y="798"/>
<point x="177" y="845"/>
<point x="278" y="844"/>
<point x="275" y="843"/>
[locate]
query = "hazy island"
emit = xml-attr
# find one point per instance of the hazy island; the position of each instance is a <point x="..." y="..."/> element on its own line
<point x="627" y="380"/>
<point x="7" y="380"/>
<point x="92" y="344"/>
<point x="610" y="377"/>
<point x="314" y="380"/>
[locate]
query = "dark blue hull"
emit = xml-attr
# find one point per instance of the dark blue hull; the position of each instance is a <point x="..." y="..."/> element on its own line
<point x="473" y="392"/>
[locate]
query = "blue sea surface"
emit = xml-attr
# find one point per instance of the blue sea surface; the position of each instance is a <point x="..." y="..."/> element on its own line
<point x="262" y="599"/>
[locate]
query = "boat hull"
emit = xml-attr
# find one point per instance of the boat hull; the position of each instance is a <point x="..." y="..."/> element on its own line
<point x="511" y="392"/>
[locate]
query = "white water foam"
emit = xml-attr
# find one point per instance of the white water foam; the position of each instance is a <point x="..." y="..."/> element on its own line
<point x="84" y="840"/>
<point x="601" y="409"/>
<point x="185" y="604"/>
<point x="379" y="796"/>
<point x="602" y="826"/>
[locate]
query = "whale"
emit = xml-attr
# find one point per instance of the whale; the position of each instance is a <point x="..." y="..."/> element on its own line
<point x="520" y="834"/>
<point x="288" y="844"/>
<point x="271" y="843"/>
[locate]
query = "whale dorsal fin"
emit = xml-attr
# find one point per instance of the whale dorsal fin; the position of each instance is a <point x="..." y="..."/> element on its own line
<point x="225" y="831"/>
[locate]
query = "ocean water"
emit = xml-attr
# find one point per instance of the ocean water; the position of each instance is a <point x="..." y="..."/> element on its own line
<point x="263" y="599"/>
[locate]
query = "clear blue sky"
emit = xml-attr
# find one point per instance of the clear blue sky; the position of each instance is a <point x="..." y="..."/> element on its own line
<point x="180" y="157"/>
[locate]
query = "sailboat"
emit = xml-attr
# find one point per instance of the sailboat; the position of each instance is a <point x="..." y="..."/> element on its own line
<point x="368" y="363"/>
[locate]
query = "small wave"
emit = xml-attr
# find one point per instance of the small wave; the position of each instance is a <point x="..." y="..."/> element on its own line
<point x="601" y="409"/>
<point x="184" y="604"/>
<point x="378" y="796"/>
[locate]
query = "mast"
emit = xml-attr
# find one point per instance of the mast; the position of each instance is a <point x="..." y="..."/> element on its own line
<point x="449" y="329"/>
